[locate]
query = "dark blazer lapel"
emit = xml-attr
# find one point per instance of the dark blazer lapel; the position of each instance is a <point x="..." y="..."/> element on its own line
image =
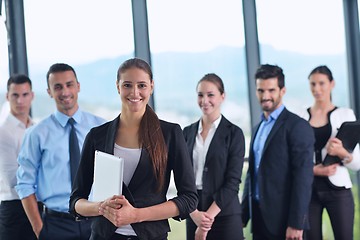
<point x="221" y="132"/>
<point x="251" y="152"/>
<point x="139" y="175"/>
<point x="109" y="148"/>
<point x="191" y="138"/>
<point x="111" y="135"/>
<point x="278" y="124"/>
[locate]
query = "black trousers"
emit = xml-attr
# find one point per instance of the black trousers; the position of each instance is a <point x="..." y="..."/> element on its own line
<point x="260" y="231"/>
<point x="224" y="227"/>
<point x="14" y="224"/>
<point x="340" y="207"/>
<point x="122" y="237"/>
<point x="60" y="228"/>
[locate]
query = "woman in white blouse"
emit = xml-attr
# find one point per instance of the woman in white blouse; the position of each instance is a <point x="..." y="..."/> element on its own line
<point x="216" y="148"/>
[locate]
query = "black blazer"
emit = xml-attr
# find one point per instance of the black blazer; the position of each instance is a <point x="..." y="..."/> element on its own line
<point x="285" y="175"/>
<point x="141" y="191"/>
<point x="223" y="166"/>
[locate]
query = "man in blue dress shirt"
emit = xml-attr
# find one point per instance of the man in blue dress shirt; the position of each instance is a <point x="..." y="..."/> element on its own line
<point x="44" y="164"/>
<point x="278" y="184"/>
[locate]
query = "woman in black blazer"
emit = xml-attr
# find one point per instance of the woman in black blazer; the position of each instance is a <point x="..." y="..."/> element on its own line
<point x="151" y="148"/>
<point x="217" y="149"/>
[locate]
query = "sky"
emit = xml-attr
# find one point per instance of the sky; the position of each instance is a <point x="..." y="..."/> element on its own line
<point x="83" y="31"/>
<point x="305" y="26"/>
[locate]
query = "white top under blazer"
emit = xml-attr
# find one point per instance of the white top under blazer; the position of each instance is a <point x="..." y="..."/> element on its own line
<point x="341" y="178"/>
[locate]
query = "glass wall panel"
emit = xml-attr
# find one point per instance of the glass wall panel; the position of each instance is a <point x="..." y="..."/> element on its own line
<point x="299" y="36"/>
<point x="95" y="37"/>
<point x="4" y="65"/>
<point x="189" y="39"/>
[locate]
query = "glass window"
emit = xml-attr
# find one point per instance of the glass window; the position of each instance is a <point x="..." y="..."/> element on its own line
<point x="4" y="65"/>
<point x="94" y="37"/>
<point x="299" y="36"/>
<point x="189" y="39"/>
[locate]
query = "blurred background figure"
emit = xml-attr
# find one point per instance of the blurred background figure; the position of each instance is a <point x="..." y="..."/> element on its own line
<point x="332" y="184"/>
<point x="14" y="224"/>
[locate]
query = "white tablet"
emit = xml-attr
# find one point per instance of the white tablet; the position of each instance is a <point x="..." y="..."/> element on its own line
<point x="108" y="176"/>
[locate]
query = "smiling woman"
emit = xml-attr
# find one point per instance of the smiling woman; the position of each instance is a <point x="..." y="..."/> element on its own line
<point x="134" y="89"/>
<point x="218" y="214"/>
<point x="151" y="149"/>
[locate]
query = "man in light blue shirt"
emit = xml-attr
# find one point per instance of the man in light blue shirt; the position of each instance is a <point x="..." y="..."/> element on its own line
<point x="259" y="142"/>
<point x="278" y="183"/>
<point x="44" y="164"/>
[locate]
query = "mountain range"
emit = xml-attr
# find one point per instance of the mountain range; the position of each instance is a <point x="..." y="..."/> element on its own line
<point x="177" y="73"/>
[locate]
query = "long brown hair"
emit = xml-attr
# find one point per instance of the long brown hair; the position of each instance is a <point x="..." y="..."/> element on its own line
<point x="150" y="134"/>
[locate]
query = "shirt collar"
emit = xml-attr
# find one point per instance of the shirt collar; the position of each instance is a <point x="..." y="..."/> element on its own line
<point x="63" y="118"/>
<point x="215" y="124"/>
<point x="17" y="122"/>
<point x="274" y="115"/>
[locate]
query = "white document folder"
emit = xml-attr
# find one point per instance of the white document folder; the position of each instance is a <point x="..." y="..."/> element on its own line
<point x="108" y="176"/>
